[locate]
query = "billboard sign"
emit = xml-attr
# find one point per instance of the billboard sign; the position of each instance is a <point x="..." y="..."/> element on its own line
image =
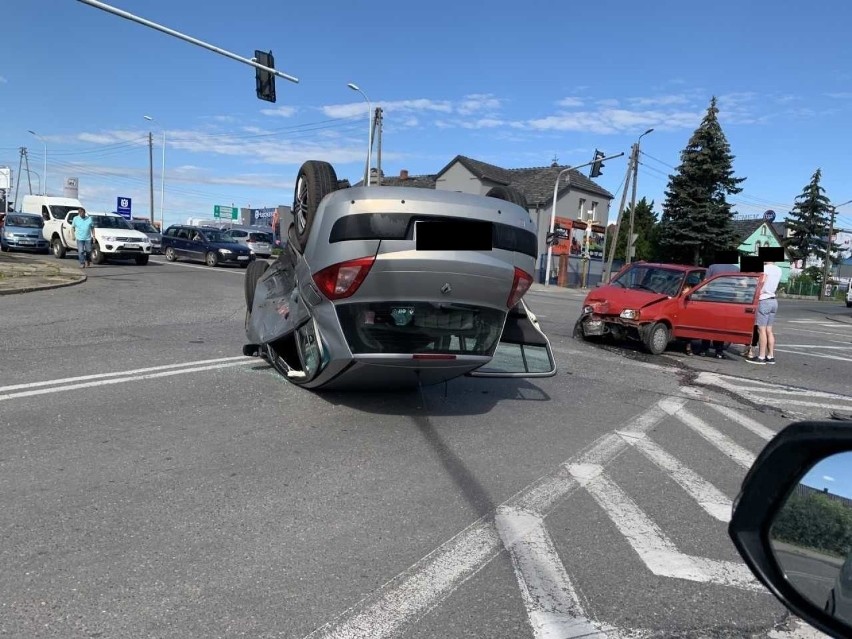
<point x="262" y="217"/>
<point x="123" y="207"/>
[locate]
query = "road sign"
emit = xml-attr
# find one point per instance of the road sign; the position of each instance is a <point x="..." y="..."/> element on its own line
<point x="123" y="207"/>
<point x="226" y="212"/>
<point x="769" y="216"/>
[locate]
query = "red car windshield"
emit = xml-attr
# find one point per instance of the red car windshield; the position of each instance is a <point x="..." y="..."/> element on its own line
<point x="654" y="279"/>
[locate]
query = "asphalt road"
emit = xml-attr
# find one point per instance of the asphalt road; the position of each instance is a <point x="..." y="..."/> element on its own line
<point x="154" y="483"/>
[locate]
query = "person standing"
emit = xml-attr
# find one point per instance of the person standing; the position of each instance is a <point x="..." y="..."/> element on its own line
<point x="767" y="307"/>
<point x="82" y="225"/>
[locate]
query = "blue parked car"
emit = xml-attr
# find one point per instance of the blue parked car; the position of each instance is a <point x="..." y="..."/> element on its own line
<point x="22" y="232"/>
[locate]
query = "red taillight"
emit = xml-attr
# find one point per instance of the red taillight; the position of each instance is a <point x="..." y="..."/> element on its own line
<point x="520" y="286"/>
<point x="342" y="280"/>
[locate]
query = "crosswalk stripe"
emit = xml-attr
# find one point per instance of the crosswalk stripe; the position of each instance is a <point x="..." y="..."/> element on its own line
<point x="722" y="442"/>
<point x="745" y="421"/>
<point x="818" y="355"/>
<point x="656" y="550"/>
<point x="705" y="494"/>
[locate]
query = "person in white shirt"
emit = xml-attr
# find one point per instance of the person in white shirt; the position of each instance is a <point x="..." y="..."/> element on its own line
<point x="767" y="307"/>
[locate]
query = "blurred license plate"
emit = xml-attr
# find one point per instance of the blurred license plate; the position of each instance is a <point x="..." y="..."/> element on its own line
<point x="242" y="257"/>
<point x="133" y="246"/>
<point x="453" y="235"/>
<point x="27" y="243"/>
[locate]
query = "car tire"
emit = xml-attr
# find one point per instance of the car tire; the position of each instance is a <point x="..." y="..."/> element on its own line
<point x="508" y="194"/>
<point x="211" y="259"/>
<point x="315" y="180"/>
<point x="656" y="338"/>
<point x="97" y="256"/>
<point x="4" y="248"/>
<point x="142" y="260"/>
<point x="58" y="247"/>
<point x="848" y="304"/>
<point x="170" y="254"/>
<point x="253" y="275"/>
<point x="578" y="330"/>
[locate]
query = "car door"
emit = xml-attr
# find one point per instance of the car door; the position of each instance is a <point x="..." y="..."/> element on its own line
<point x="523" y="349"/>
<point x="183" y="245"/>
<point x="68" y="234"/>
<point x="722" y="308"/>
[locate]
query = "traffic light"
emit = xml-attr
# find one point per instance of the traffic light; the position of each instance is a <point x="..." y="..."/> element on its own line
<point x="264" y="80"/>
<point x="597" y="165"/>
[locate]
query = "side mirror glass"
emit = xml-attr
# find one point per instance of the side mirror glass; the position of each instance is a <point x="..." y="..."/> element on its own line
<point x="811" y="536"/>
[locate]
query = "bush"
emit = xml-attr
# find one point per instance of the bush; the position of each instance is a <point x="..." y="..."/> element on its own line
<point x="815" y="521"/>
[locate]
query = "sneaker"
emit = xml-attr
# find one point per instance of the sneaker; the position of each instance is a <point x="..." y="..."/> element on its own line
<point x="755" y="360"/>
<point x="770" y="360"/>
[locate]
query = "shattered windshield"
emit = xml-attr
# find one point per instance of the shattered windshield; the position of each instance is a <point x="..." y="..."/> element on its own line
<point x="654" y="279"/>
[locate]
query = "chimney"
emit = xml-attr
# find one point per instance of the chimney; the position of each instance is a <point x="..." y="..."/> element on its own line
<point x="403" y="174"/>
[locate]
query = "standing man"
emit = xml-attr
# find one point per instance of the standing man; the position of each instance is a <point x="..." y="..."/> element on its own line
<point x="766" y="309"/>
<point x="82" y="225"/>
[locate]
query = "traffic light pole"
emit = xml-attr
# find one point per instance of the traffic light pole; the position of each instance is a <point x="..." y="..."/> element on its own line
<point x="177" y="34"/>
<point x="630" y="247"/>
<point x="549" y="262"/>
<point x="608" y="270"/>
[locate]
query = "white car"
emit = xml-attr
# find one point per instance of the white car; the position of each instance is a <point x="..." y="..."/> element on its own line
<point x="114" y="238"/>
<point x="849" y="296"/>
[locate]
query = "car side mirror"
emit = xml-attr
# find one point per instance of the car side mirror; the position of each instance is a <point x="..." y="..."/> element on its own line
<point x="792" y="522"/>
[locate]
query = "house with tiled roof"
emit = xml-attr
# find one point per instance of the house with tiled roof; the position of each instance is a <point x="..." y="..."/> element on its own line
<point x="754" y="232"/>
<point x="578" y="197"/>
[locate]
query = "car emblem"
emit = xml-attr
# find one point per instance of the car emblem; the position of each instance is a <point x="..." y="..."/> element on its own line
<point x="446" y="288"/>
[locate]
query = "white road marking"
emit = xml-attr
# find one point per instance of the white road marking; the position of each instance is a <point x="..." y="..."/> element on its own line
<point x="745" y="421"/>
<point x="801" y="330"/>
<point x="719" y="440"/>
<point x="137" y="371"/>
<point x="705" y="494"/>
<point x="837" y="348"/>
<point x="552" y="605"/>
<point x="656" y="550"/>
<point x="800" y="630"/>
<point x="816" y="322"/>
<point x="817" y="355"/>
<point x="121" y="380"/>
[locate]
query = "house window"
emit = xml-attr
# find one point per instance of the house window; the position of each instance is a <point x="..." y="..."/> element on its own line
<point x="580" y="208"/>
<point x="763" y="230"/>
<point x="757" y="246"/>
<point x="594" y="210"/>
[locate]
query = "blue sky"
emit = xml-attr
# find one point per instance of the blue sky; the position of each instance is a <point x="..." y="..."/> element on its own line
<point x="514" y="84"/>
<point x="834" y="473"/>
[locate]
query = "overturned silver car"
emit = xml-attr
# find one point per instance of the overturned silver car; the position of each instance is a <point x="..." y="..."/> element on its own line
<point x="388" y="287"/>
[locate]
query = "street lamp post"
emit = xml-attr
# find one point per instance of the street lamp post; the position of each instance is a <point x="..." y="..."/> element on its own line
<point x="630" y="247"/>
<point x="44" y="191"/>
<point x="355" y="87"/>
<point x="553" y="223"/>
<point x="162" y="176"/>
<point x="827" y="261"/>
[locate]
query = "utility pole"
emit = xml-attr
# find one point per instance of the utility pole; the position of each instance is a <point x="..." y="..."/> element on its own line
<point x="827" y="261"/>
<point x="151" y="172"/>
<point x="379" y="122"/>
<point x="18" y="183"/>
<point x="630" y="242"/>
<point x="608" y="271"/>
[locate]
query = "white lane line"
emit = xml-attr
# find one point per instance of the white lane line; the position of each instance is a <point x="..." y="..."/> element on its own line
<point x="837" y="348"/>
<point x="705" y="494"/>
<point x="209" y="269"/>
<point x="745" y="421"/>
<point x="802" y="330"/>
<point x="552" y="605"/>
<point x="719" y="440"/>
<point x="121" y="380"/>
<point x="817" y="355"/>
<point x="137" y="371"/>
<point x="402" y="601"/>
<point x="800" y="630"/>
<point x="656" y="550"/>
<point x="765" y="392"/>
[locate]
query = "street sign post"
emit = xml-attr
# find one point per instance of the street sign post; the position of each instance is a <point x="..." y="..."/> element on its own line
<point x="226" y="212"/>
<point x="123" y="206"/>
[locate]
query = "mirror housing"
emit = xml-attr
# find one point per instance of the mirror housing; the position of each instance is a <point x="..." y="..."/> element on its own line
<point x="775" y="475"/>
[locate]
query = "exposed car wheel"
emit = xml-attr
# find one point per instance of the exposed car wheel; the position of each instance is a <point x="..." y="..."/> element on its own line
<point x="4" y="248"/>
<point x="142" y="260"/>
<point x="170" y="254"/>
<point x="509" y="194"/>
<point x="253" y="274"/>
<point x="97" y="256"/>
<point x="656" y="338"/>
<point x="848" y="304"/>
<point x="211" y="259"/>
<point x="58" y="248"/>
<point x="315" y="180"/>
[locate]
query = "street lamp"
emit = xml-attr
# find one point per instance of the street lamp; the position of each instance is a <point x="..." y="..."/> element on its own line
<point x="44" y="192"/>
<point x="355" y="87"/>
<point x="553" y="224"/>
<point x="162" y="175"/>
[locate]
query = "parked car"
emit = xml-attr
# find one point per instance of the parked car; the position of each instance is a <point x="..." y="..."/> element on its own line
<point x="259" y="242"/>
<point x="849" y="297"/>
<point x="655" y="303"/>
<point x="144" y="226"/>
<point x="207" y="245"/>
<point x="382" y="287"/>
<point x="22" y="232"/>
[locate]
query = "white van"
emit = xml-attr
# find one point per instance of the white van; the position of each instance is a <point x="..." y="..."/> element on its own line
<point x="50" y="207"/>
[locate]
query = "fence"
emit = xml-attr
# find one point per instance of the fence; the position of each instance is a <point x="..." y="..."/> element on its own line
<point x="808" y="288"/>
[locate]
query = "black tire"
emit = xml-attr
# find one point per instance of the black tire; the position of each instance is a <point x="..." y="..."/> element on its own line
<point x="211" y="259"/>
<point x="58" y="247"/>
<point x="508" y="194"/>
<point x="170" y="254"/>
<point x="578" y="330"/>
<point x="656" y="338"/>
<point x="4" y="248"/>
<point x="848" y="304"/>
<point x="255" y="271"/>
<point x="97" y="256"/>
<point x="142" y="260"/>
<point x="315" y="180"/>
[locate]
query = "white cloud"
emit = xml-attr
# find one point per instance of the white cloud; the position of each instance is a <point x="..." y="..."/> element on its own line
<point x="354" y="109"/>
<point x="660" y="100"/>
<point x="483" y="123"/>
<point x="616" y="121"/>
<point x="827" y="478"/>
<point x="608" y="102"/>
<point x="478" y="102"/>
<point x="281" y="111"/>
<point x="841" y="95"/>
<point x="570" y="102"/>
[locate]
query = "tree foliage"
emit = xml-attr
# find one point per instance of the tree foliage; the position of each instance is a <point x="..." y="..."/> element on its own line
<point x="808" y="222"/>
<point x="696" y="218"/>
<point x="815" y="521"/>
<point x="644" y="225"/>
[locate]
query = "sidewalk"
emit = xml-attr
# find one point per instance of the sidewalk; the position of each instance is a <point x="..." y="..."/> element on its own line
<point x="22" y="273"/>
<point x="559" y="290"/>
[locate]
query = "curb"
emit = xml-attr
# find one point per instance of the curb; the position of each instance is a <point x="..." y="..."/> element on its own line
<point x="43" y="287"/>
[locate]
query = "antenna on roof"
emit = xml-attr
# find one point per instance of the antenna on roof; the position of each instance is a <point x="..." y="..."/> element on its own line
<point x="554" y="161"/>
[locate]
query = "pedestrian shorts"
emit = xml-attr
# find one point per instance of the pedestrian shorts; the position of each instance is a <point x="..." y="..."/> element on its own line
<point x="766" y="310"/>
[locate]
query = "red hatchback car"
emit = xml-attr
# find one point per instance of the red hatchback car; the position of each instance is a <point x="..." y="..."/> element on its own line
<point x="656" y="303"/>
